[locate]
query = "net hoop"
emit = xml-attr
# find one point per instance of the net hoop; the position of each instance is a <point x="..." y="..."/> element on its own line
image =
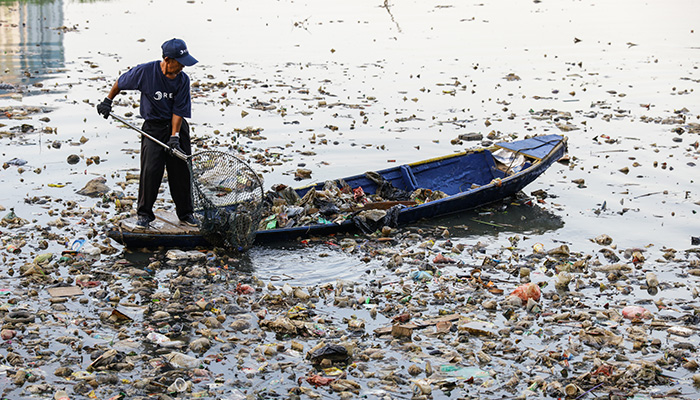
<point x="228" y="196"/>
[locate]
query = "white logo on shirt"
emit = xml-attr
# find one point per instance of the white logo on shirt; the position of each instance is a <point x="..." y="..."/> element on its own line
<point x="160" y="95"/>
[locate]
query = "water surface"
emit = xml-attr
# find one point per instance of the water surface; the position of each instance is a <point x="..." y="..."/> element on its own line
<point x="342" y="88"/>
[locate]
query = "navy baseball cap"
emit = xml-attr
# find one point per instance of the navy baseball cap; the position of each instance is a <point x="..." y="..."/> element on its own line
<point x="177" y="49"/>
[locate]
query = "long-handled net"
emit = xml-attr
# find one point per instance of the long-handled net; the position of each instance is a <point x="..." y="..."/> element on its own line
<point x="227" y="194"/>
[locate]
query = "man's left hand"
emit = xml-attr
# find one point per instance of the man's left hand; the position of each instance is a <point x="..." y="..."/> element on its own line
<point x="174" y="144"/>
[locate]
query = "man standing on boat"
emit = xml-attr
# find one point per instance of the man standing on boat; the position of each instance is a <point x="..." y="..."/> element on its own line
<point x="165" y="103"/>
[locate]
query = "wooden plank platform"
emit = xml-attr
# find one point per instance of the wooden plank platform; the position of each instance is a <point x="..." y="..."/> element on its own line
<point x="166" y="223"/>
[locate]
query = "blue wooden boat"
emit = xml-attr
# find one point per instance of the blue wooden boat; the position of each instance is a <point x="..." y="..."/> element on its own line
<point x="470" y="179"/>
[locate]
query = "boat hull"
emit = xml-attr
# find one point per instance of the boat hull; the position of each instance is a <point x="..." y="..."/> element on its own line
<point x="471" y="179"/>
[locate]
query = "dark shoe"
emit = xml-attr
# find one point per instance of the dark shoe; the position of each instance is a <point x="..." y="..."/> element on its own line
<point x="190" y="220"/>
<point x="142" y="222"/>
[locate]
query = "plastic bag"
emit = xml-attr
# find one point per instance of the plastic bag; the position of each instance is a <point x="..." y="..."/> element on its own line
<point x="385" y="189"/>
<point x="527" y="291"/>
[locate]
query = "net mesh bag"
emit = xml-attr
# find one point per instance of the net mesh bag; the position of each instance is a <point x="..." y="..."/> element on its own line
<point x="228" y="196"/>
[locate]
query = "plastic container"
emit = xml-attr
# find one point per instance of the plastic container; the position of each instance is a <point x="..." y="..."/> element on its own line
<point x="179" y="386"/>
<point x="77" y="244"/>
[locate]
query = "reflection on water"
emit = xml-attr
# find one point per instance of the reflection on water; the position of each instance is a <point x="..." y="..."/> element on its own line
<point x="31" y="42"/>
<point x="500" y="218"/>
<point x="240" y="262"/>
<point x="322" y="260"/>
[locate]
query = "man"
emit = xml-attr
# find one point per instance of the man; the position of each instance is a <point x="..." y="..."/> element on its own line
<point x="165" y="103"/>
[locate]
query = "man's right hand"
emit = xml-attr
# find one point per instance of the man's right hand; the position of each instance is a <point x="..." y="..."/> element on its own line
<point x="105" y="107"/>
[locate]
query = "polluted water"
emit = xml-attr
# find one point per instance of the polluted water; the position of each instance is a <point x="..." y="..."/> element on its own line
<point x="583" y="286"/>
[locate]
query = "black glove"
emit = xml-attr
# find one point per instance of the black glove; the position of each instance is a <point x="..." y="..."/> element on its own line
<point x="174" y="144"/>
<point x="105" y="107"/>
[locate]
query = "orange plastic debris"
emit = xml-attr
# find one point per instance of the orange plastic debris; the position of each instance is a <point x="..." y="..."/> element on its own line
<point x="527" y="291"/>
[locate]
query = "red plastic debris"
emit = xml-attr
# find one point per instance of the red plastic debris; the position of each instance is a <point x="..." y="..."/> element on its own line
<point x="318" y="380"/>
<point x="87" y="284"/>
<point x="440" y="259"/>
<point x="527" y="291"/>
<point x="244" y="289"/>
<point x="358" y="193"/>
<point x="636" y="312"/>
<point x="405" y="317"/>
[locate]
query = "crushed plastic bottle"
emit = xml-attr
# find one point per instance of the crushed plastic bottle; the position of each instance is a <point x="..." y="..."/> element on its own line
<point x="180" y="360"/>
<point x="464" y="372"/>
<point x="163" y="340"/>
<point x="421" y="276"/>
<point x="89" y="252"/>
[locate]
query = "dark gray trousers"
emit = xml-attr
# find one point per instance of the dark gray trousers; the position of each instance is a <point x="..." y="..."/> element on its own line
<point x="154" y="160"/>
